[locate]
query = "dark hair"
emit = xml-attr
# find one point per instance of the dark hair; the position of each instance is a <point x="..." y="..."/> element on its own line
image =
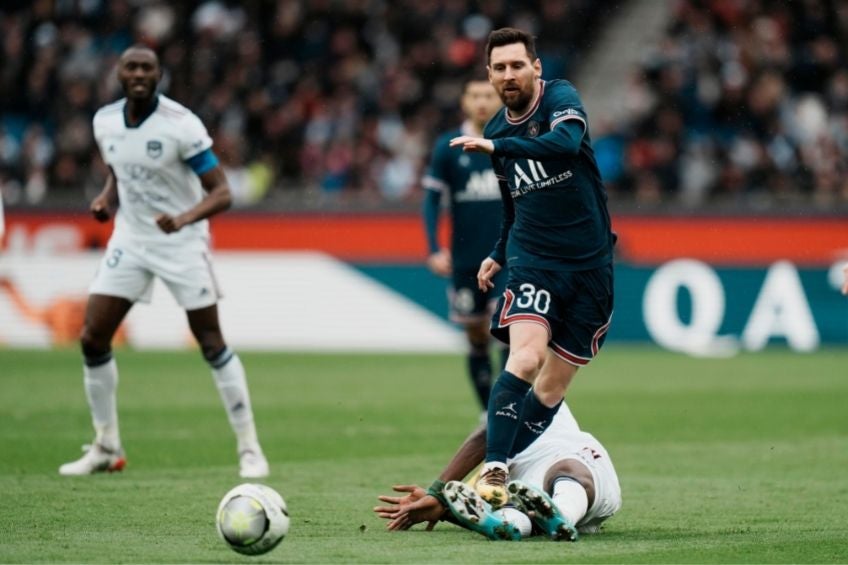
<point x="143" y="47"/>
<point x="478" y="75"/>
<point x="508" y="36"/>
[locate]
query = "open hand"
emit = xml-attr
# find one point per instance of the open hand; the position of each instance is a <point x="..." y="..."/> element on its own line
<point x="415" y="507"/>
<point x="470" y="144"/>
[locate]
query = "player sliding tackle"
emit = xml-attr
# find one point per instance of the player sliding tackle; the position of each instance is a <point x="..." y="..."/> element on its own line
<point x="564" y="483"/>
<point x="167" y="180"/>
<point x="557" y="241"/>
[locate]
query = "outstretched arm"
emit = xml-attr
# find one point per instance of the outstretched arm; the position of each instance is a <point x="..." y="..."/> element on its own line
<point x="420" y="505"/>
<point x="467" y="457"/>
<point x="564" y="139"/>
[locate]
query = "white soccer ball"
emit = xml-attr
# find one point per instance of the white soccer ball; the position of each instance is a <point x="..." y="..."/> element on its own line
<point x="252" y="519"/>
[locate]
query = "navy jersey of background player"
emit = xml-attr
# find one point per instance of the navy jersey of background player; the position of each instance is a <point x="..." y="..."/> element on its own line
<point x="555" y="200"/>
<point x="475" y="200"/>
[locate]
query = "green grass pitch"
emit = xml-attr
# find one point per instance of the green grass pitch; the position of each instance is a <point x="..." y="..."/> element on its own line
<point x="739" y="460"/>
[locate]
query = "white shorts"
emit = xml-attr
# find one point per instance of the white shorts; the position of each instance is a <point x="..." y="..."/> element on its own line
<point x="128" y="271"/>
<point x="533" y="463"/>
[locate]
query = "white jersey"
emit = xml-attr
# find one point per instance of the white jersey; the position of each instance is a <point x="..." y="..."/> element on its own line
<point x="565" y="440"/>
<point x="564" y="430"/>
<point x="149" y="163"/>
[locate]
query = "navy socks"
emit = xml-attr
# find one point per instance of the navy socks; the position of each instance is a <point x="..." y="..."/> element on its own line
<point x="535" y="419"/>
<point x="504" y="415"/>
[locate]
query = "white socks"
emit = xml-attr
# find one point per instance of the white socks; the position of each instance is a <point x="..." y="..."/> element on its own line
<point x="571" y="499"/>
<point x="517" y="518"/>
<point x="100" y="385"/>
<point x="232" y="385"/>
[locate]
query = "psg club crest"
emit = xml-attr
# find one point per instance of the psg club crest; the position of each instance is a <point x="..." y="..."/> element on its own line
<point x="154" y="149"/>
<point x="532" y="129"/>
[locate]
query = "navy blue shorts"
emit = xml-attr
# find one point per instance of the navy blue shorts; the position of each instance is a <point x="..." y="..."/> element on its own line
<point x="467" y="302"/>
<point x="574" y="306"/>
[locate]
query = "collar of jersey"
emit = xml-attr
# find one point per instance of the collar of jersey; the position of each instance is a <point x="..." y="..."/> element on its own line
<point x="533" y="107"/>
<point x="144" y="117"/>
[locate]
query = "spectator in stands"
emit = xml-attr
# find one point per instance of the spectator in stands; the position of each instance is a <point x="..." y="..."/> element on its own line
<point x="741" y="101"/>
<point x="342" y="98"/>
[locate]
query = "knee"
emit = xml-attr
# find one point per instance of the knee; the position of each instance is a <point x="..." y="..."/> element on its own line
<point x="212" y="344"/>
<point x="572" y="469"/>
<point x="478" y="339"/>
<point x="212" y="351"/>
<point x="210" y="340"/>
<point x="477" y="344"/>
<point x="525" y="361"/>
<point x="93" y="343"/>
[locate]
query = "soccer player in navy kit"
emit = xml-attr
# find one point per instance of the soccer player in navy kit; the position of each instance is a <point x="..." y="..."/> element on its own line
<point x="557" y="241"/>
<point x="469" y="183"/>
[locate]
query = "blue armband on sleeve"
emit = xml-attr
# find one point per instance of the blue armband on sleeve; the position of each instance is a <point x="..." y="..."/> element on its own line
<point x="203" y="162"/>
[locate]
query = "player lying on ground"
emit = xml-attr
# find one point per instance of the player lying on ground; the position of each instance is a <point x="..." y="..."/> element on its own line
<point x="564" y="483"/>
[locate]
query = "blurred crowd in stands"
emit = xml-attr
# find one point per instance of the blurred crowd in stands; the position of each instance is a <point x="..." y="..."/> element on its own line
<point x="742" y="101"/>
<point x="338" y="96"/>
<point x="336" y="100"/>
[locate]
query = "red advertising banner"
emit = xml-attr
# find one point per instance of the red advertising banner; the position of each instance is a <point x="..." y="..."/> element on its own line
<point x="400" y="237"/>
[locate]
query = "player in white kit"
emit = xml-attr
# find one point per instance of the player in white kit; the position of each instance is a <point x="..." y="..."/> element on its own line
<point x="164" y="183"/>
<point x="564" y="483"/>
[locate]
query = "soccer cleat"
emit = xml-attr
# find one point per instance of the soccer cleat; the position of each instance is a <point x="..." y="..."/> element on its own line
<point x="97" y="459"/>
<point x="542" y="510"/>
<point x="492" y="485"/>
<point x="475" y="513"/>
<point x="253" y="465"/>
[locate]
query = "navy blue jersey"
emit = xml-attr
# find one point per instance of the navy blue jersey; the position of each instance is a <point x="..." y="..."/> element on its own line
<point x="555" y="205"/>
<point x="475" y="199"/>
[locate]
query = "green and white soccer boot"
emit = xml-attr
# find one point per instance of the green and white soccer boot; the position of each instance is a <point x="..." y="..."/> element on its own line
<point x="474" y="513"/>
<point x="541" y="508"/>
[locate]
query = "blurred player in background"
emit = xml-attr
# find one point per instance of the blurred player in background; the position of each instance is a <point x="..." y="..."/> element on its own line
<point x="565" y="483"/>
<point x="476" y="211"/>
<point x="557" y="241"/>
<point x="845" y="280"/>
<point x="161" y="162"/>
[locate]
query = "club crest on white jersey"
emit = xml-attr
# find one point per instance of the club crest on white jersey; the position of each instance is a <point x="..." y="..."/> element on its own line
<point x="149" y="162"/>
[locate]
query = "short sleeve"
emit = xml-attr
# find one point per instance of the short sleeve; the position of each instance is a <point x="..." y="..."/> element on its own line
<point x="564" y="104"/>
<point x="194" y="138"/>
<point x="97" y="128"/>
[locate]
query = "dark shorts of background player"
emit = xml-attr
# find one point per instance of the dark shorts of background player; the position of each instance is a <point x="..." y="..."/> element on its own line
<point x="468" y="304"/>
<point x="574" y="306"/>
